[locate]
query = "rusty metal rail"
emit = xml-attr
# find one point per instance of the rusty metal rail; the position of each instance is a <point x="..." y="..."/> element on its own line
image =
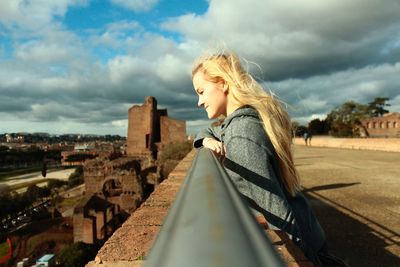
<point x="210" y="225"/>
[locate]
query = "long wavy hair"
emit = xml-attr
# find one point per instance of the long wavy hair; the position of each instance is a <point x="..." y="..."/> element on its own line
<point x="247" y="91"/>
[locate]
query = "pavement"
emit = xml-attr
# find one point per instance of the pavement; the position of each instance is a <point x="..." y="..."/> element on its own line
<point x="60" y="174"/>
<point x="355" y="195"/>
<point x="37" y="176"/>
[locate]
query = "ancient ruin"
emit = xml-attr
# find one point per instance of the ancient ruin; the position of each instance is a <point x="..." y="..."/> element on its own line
<point x="93" y="219"/>
<point x="115" y="186"/>
<point x="386" y="126"/>
<point x="150" y="128"/>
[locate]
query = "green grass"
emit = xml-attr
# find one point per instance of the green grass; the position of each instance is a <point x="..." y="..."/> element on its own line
<point x="39" y="239"/>
<point x="70" y="202"/>
<point x="3" y="249"/>
<point x="175" y="151"/>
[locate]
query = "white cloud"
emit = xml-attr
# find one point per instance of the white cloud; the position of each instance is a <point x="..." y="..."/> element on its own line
<point x="170" y="66"/>
<point x="136" y="5"/>
<point x="41" y="52"/>
<point x="122" y="68"/>
<point x="120" y="123"/>
<point x="117" y="34"/>
<point x="312" y="102"/>
<point x="311" y="59"/>
<point x="34" y="14"/>
<point x="295" y="38"/>
<point x="320" y="94"/>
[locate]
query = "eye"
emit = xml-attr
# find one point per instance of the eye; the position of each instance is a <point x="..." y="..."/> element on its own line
<point x="200" y="91"/>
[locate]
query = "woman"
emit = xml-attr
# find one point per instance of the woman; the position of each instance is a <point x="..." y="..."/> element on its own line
<point x="255" y="141"/>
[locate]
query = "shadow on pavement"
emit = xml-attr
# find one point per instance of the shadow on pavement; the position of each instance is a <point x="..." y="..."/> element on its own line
<point x="328" y="186"/>
<point x="356" y="243"/>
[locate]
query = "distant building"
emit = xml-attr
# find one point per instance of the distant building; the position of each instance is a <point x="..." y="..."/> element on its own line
<point x="386" y="126"/>
<point x="150" y="128"/>
<point x="84" y="147"/>
<point x="86" y="151"/>
<point x="13" y="138"/>
<point x="116" y="187"/>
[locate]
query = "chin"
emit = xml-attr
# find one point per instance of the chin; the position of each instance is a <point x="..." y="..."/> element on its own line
<point x="212" y="116"/>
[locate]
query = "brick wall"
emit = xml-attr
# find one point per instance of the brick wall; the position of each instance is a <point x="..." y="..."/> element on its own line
<point x="385" y="126"/>
<point x="172" y="130"/>
<point x="140" y="125"/>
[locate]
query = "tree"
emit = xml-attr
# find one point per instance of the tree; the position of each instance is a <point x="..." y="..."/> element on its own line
<point x="35" y="192"/>
<point x="376" y="108"/>
<point x="76" y="178"/>
<point x="79" y="157"/>
<point x="77" y="254"/>
<point x="343" y="118"/>
<point x="318" y="127"/>
<point x="44" y="169"/>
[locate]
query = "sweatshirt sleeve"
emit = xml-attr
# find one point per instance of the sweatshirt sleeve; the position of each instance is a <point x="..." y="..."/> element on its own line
<point x="252" y="168"/>
<point x="212" y="132"/>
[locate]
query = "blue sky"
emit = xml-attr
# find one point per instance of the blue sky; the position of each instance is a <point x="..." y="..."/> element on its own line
<point x="76" y="66"/>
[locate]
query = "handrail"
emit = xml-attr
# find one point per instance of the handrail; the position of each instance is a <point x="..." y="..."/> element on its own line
<point x="210" y="225"/>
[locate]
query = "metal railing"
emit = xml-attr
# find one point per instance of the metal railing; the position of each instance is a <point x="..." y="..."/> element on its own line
<point x="210" y="225"/>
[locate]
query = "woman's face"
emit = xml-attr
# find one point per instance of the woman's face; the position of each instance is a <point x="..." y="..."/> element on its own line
<point x="211" y="95"/>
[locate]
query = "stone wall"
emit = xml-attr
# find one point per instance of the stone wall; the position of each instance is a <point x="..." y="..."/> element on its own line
<point x="118" y="181"/>
<point x="92" y="219"/>
<point x="140" y="127"/>
<point x="66" y="154"/>
<point x="125" y="182"/>
<point x="172" y="130"/>
<point x="382" y="144"/>
<point x="149" y="128"/>
<point x="386" y="126"/>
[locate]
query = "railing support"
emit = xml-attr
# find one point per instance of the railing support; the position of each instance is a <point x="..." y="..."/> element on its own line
<point x="210" y="225"/>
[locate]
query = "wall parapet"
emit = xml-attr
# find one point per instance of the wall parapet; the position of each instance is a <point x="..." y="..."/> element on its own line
<point x="381" y="144"/>
<point x="130" y="245"/>
<point x="210" y="224"/>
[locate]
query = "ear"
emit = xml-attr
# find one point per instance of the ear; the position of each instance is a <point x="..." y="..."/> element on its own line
<point x="225" y="87"/>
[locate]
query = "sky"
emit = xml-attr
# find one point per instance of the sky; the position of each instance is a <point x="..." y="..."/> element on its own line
<point x="77" y="66"/>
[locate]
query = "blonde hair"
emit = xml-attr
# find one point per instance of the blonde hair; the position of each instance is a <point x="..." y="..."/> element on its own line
<point x="247" y="91"/>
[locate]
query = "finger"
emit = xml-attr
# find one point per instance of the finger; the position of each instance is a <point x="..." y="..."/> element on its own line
<point x="221" y="159"/>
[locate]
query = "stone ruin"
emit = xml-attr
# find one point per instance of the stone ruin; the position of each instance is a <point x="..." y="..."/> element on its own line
<point x="149" y="129"/>
<point x="387" y="125"/>
<point x="119" y="186"/>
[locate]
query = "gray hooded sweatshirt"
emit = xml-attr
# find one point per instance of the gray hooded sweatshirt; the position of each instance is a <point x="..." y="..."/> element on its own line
<point x="252" y="164"/>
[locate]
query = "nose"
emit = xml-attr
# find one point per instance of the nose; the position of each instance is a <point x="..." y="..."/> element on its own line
<point x="200" y="102"/>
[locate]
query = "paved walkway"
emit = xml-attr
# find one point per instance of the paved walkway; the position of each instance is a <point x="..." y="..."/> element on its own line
<point x="355" y="194"/>
<point x="37" y="176"/>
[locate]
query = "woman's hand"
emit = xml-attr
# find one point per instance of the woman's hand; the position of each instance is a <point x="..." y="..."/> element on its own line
<point x="215" y="146"/>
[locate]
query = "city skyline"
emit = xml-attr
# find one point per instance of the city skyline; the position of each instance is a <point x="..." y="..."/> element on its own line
<point x="77" y="66"/>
